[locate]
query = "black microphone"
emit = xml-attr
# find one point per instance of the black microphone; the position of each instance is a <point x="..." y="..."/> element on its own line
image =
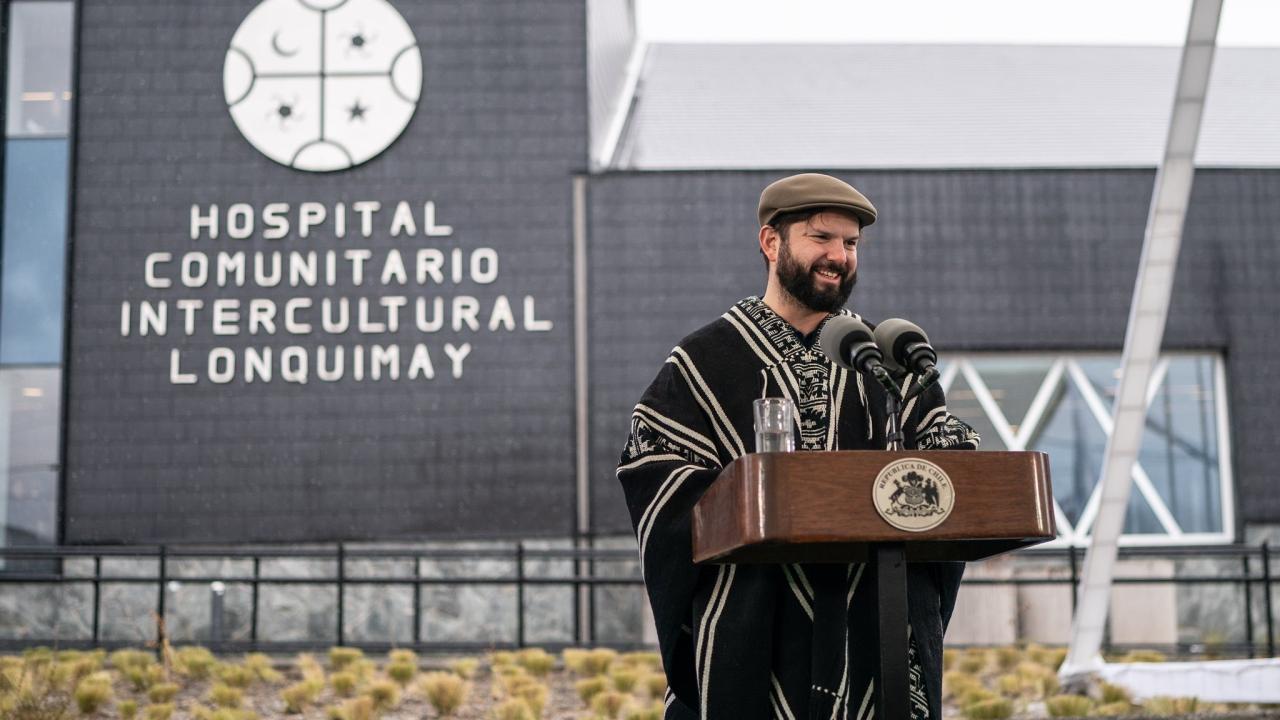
<point x="850" y="344"/>
<point x="906" y="346"/>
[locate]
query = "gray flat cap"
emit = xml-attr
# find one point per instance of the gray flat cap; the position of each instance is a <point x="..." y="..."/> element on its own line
<point x="813" y="190"/>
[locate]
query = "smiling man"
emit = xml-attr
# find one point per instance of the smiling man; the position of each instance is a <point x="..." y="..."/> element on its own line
<point x="777" y="641"/>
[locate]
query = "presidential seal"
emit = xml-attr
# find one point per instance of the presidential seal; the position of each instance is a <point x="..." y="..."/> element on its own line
<point x="913" y="494"/>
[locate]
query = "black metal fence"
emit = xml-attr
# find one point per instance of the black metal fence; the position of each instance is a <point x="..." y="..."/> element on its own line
<point x="48" y="566"/>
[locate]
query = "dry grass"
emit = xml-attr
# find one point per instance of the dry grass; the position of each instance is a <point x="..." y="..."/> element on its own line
<point x="592" y="684"/>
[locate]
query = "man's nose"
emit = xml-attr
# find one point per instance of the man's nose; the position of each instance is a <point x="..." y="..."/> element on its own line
<point x="836" y="253"/>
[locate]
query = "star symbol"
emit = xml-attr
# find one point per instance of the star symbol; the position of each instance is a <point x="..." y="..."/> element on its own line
<point x="357" y="110"/>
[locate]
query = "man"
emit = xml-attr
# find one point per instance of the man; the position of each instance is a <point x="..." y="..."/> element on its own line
<point x="786" y="641"/>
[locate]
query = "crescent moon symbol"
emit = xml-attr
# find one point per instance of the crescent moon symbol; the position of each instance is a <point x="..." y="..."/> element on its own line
<point x="275" y="45"/>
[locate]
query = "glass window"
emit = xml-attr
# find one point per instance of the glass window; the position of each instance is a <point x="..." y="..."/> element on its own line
<point x="1180" y="446"/>
<point x="1075" y="445"/>
<point x="35" y="242"/>
<point x="39" y="67"/>
<point x="29" y="443"/>
<point x="1062" y="405"/>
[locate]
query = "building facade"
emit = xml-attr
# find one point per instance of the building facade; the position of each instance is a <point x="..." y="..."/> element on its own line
<point x="293" y="272"/>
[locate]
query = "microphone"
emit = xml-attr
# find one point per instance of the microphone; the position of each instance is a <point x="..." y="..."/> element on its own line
<point x="907" y="348"/>
<point x="849" y="343"/>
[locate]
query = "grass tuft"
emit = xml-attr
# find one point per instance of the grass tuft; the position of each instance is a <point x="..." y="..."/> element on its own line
<point x="1068" y="706"/>
<point x="514" y="709"/>
<point x="162" y="692"/>
<point x="445" y="691"/>
<point x="537" y="661"/>
<point x="465" y="667"/>
<point x="195" y="662"/>
<point x="590" y="687"/>
<point x="159" y="712"/>
<point x="995" y="709"/>
<point x="402" y="672"/>
<point x="384" y="693"/>
<point x="93" y="692"/>
<point x="344" y="683"/>
<point x="341" y="658"/>
<point x="225" y="696"/>
<point x="609" y="703"/>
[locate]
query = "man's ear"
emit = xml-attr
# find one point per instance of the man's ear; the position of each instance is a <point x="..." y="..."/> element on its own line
<point x="769" y="242"/>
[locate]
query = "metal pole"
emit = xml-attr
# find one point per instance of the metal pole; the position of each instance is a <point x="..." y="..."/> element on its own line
<point x="97" y="598"/>
<point x="1248" y="603"/>
<point x="342" y="588"/>
<point x="578" y="605"/>
<point x="1266" y="596"/>
<point x="217" y="619"/>
<point x="164" y="581"/>
<point x="417" y="601"/>
<point x="160" y="598"/>
<point x="253" y="609"/>
<point x="1075" y="578"/>
<point x="520" y="593"/>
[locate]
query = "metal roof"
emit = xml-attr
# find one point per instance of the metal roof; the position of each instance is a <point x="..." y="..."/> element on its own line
<point x="740" y="106"/>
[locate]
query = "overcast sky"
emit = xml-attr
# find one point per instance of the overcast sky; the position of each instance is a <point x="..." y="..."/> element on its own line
<point x="1096" y="22"/>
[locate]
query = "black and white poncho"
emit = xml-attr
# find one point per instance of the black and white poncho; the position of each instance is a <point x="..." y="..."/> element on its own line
<point x="770" y="641"/>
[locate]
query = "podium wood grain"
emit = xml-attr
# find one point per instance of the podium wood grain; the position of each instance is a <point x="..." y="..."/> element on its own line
<point x="817" y="507"/>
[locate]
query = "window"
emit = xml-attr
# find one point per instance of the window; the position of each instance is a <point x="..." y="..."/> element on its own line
<point x="39" y="68"/>
<point x="34" y="252"/>
<point x="33" y="249"/>
<point x="1061" y="405"/>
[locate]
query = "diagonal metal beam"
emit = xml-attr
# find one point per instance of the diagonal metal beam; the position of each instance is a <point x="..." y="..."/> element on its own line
<point x="1147" y="315"/>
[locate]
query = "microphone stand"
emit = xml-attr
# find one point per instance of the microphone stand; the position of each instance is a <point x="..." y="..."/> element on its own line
<point x="889" y="562"/>
<point x="893" y="406"/>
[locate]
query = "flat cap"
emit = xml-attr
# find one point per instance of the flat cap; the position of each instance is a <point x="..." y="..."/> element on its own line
<point x="813" y="190"/>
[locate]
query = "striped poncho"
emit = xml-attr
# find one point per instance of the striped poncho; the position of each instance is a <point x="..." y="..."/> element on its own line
<point x="770" y="641"/>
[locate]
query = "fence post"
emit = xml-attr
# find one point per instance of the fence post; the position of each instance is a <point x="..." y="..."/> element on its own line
<point x="97" y="598"/>
<point x="342" y="591"/>
<point x="417" y="601"/>
<point x="160" y="599"/>
<point x="576" y="571"/>
<point x="1266" y="596"/>
<point x="253" y="606"/>
<point x="520" y="593"/>
<point x="1075" y="578"/>
<point x="1248" y="603"/>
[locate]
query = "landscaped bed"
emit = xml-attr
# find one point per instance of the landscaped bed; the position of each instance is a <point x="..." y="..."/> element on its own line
<point x="344" y="684"/>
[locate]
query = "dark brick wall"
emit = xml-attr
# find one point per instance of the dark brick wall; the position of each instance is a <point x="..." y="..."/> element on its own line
<point x="983" y="260"/>
<point x="500" y="129"/>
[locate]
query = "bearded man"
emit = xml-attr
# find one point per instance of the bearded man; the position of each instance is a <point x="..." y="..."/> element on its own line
<point x="777" y="641"/>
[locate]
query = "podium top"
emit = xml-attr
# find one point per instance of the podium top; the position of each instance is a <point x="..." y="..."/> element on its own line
<point x="831" y="506"/>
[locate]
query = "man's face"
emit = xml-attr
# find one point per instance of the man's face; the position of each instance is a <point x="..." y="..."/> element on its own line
<point x="818" y="261"/>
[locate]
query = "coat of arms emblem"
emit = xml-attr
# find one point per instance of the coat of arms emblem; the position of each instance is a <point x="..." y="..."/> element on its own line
<point x="913" y="494"/>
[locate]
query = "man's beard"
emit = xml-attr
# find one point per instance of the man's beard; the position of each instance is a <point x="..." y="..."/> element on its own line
<point x="802" y="284"/>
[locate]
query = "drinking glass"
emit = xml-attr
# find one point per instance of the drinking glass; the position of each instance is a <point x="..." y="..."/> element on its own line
<point x="774" y="421"/>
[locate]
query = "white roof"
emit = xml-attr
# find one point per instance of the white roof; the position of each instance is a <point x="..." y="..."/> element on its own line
<point x="731" y="106"/>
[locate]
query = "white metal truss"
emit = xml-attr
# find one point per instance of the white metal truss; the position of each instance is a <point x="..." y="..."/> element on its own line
<point x="1147" y="314"/>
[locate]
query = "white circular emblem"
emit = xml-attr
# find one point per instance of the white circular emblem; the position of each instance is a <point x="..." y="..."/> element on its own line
<point x="913" y="494"/>
<point x="322" y="85"/>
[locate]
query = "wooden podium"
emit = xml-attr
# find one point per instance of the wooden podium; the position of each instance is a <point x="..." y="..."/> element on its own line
<point x="886" y="508"/>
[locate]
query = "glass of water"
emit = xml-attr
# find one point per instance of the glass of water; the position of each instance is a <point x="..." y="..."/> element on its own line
<point x="775" y="418"/>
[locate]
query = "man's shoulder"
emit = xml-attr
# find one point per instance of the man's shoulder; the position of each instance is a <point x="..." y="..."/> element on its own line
<point x="717" y="335"/>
